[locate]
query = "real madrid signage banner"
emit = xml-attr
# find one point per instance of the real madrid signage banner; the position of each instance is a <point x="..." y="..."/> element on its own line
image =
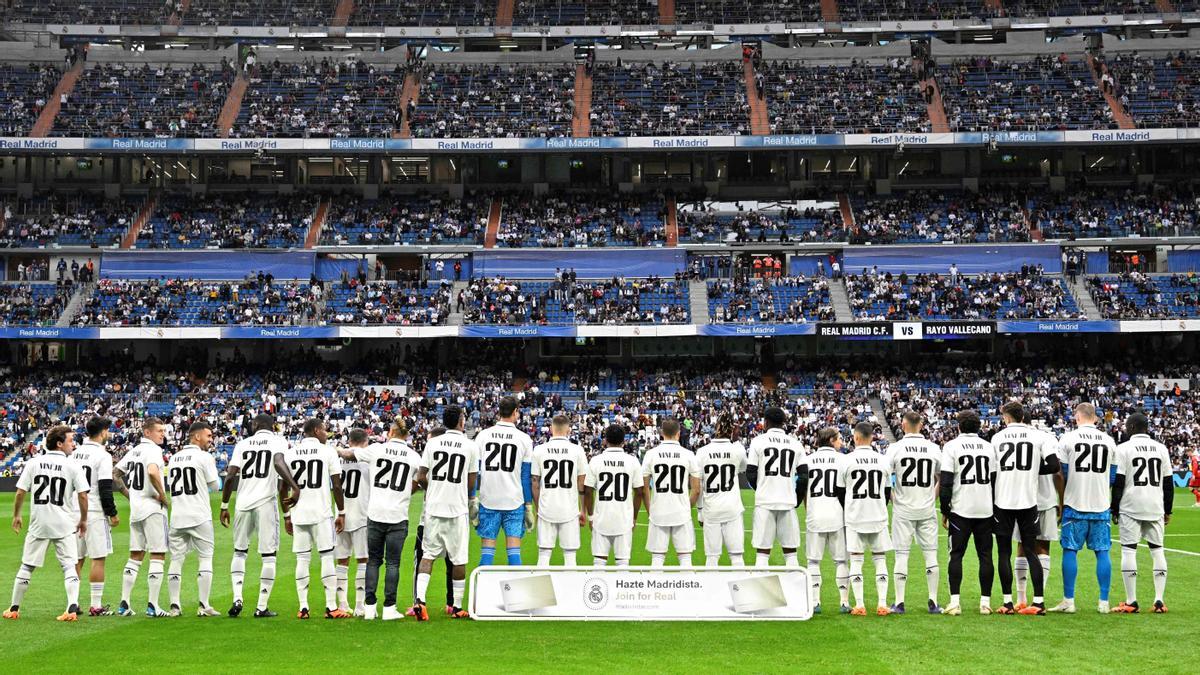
<point x="640" y="593"/>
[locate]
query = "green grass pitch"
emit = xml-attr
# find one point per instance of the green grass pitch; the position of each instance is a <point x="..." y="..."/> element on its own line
<point x="917" y="642"/>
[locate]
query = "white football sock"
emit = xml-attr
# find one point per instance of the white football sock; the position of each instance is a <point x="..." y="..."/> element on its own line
<point x="422" y="586"/>
<point x="1129" y="572"/>
<point x="931" y="574"/>
<point x="737" y="559"/>
<point x="569" y="558"/>
<point x="154" y="579"/>
<point x="204" y="580"/>
<point x="544" y="557"/>
<point x="360" y="585"/>
<point x="856" y="578"/>
<point x="343" y="579"/>
<point x="329" y="580"/>
<point x="303" y="563"/>
<point x="762" y="559"/>
<point x="21" y="584"/>
<point x="658" y="559"/>
<point x="1021" y="567"/>
<point x="712" y="561"/>
<point x="1158" y="560"/>
<point x="129" y="578"/>
<point x="71" y="583"/>
<point x="842" y="572"/>
<point x="266" y="580"/>
<point x="791" y="559"/>
<point x="814" y="576"/>
<point x="458" y="588"/>
<point x="237" y="573"/>
<point x="174" y="581"/>
<point x="622" y="562"/>
<point x="881" y="577"/>
<point x="97" y="594"/>
<point x="1044" y="559"/>
<point x="901" y="573"/>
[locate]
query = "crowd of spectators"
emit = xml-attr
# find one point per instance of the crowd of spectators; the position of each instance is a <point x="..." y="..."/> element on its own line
<point x="1041" y="94"/>
<point x="495" y="101"/>
<point x="396" y="218"/>
<point x="1028" y="294"/>
<point x="66" y="220"/>
<point x="794" y="299"/>
<point x="586" y="12"/>
<point x="1137" y="295"/>
<point x="566" y="300"/>
<point x="111" y="12"/>
<point x="1089" y="211"/>
<point x="24" y="91"/>
<point x="255" y="12"/>
<point x="423" y="13"/>
<point x="923" y="216"/>
<point x="1156" y="91"/>
<point x="735" y="11"/>
<point x="703" y="224"/>
<point x="669" y="99"/>
<point x="326" y="98"/>
<point x="581" y="221"/>
<point x="861" y="98"/>
<point x="237" y="220"/>
<point x="25" y="304"/>
<point x="130" y="100"/>
<point x="381" y="302"/>
<point x="910" y="10"/>
<point x="258" y="300"/>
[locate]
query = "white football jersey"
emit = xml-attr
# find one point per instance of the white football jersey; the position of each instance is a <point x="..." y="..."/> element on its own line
<point x="720" y="463"/>
<point x="616" y="476"/>
<point x="1047" y="492"/>
<point x="915" y="461"/>
<point x="778" y="457"/>
<point x="142" y="495"/>
<point x="1146" y="464"/>
<point x="972" y="460"/>
<point x="557" y="465"/>
<point x="451" y="458"/>
<point x="97" y="465"/>
<point x="312" y="464"/>
<point x="669" y="469"/>
<point x="191" y="473"/>
<point x="391" y="469"/>
<point x="54" y="484"/>
<point x="824" y="512"/>
<point x="864" y="476"/>
<point x="1020" y="450"/>
<point x="502" y="450"/>
<point x="356" y="492"/>
<point x="255" y="459"/>
<point x="1087" y="455"/>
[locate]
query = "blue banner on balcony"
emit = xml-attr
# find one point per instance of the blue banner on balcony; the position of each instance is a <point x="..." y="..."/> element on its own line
<point x="757" y="329"/>
<point x="48" y="333"/>
<point x="278" y="332"/>
<point x="588" y="264"/>
<point x="1058" y="326"/>
<point x="517" y="331"/>
<point x="207" y="264"/>
<point x="937" y="259"/>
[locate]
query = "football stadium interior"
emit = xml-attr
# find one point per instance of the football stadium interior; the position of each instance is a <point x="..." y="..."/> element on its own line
<point x="621" y="213"/>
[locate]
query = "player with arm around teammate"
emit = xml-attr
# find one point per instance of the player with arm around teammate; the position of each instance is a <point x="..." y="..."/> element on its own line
<point x="352" y="540"/>
<point x="968" y="472"/>
<point x="614" y="493"/>
<point x="914" y="461"/>
<point x="505" y="487"/>
<point x="1087" y="455"/>
<point x="58" y="517"/>
<point x="862" y="486"/>
<point x="142" y="470"/>
<point x="314" y="466"/>
<point x="97" y="466"/>
<point x="558" y="471"/>
<point x="191" y="475"/>
<point x="721" y="461"/>
<point x="1142" y="500"/>
<point x="673" y="476"/>
<point x="773" y="462"/>
<point x="825" y="521"/>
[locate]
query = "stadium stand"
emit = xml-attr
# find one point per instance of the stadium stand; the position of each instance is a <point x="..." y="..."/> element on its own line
<point x="569" y="301"/>
<point x="127" y="101"/>
<point x="38" y="304"/>
<point x="1101" y="211"/>
<point x="130" y="12"/>
<point x="381" y="302"/>
<point x="779" y="300"/>
<point x="407" y="219"/>
<point x="259" y="12"/>
<point x="320" y="99"/>
<point x="1029" y="294"/>
<point x="495" y="101"/>
<point x="858" y="98"/>
<point x="923" y="216"/>
<point x="187" y="302"/>
<point x="585" y="12"/>
<point x="239" y="220"/>
<point x="648" y="99"/>
<point x="1043" y="93"/>
<point x="24" y="90"/>
<point x="716" y="222"/>
<point x="65" y="220"/>
<point x="894" y="10"/>
<point x="1159" y="91"/>
<point x="424" y="13"/>
<point x="571" y="221"/>
<point x="1135" y="295"/>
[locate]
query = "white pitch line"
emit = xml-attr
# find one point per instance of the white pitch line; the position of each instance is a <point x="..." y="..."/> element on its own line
<point x="1169" y="550"/>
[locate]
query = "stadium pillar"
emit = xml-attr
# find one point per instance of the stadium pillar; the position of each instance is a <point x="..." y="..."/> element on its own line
<point x="493" y="225"/>
<point x="760" y="124"/>
<point x="830" y="11"/>
<point x="1165" y="6"/>
<point x="581" y="123"/>
<point x="45" y="120"/>
<point x="672" y="222"/>
<point x="847" y="212"/>
<point x="341" y="15"/>
<point x="232" y="106"/>
<point x="318" y="222"/>
<point x="409" y="95"/>
<point x="933" y="102"/>
<point x="138" y="223"/>
<point x="666" y="12"/>
<point x="504" y="13"/>
<point x="1122" y="117"/>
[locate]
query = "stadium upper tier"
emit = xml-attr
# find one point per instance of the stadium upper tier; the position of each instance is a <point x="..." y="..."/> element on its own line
<point x="443" y="13"/>
<point x="1134" y="295"/>
<point x="613" y="302"/>
<point x="885" y="296"/>
<point x="379" y="96"/>
<point x="249" y="220"/>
